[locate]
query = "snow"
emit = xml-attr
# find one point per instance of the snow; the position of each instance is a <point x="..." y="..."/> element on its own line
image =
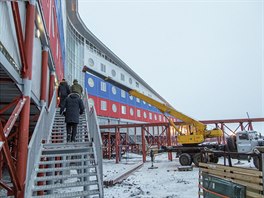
<point x="164" y="182"/>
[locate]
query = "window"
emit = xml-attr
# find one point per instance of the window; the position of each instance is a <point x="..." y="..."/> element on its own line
<point x="114" y="108"/>
<point x="103" y="68"/>
<point x="91" y="62"/>
<point x="150" y="116"/>
<point x="138" y="113"/>
<point x="122" y="77"/>
<point x="131" y="97"/>
<point x="155" y="117"/>
<point x="114" y="90"/>
<point x="123" y="94"/>
<point x="103" y="105"/>
<point x="137" y="84"/>
<point x="160" y="118"/>
<point x="90" y="82"/>
<point x="145" y="114"/>
<point x="130" y="80"/>
<point x="138" y="100"/>
<point x="164" y="119"/>
<point x="103" y="86"/>
<point x="123" y="109"/>
<point x="131" y="112"/>
<point x="113" y="73"/>
<point x="91" y="102"/>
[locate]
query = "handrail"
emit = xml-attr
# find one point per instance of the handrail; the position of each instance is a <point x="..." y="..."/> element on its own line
<point x="95" y="138"/>
<point x="40" y="133"/>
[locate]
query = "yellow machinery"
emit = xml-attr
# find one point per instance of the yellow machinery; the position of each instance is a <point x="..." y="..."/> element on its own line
<point x="195" y="132"/>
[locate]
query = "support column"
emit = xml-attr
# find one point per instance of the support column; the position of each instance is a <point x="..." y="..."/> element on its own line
<point x="25" y="113"/>
<point x="44" y="72"/>
<point x="169" y="143"/>
<point x="51" y="85"/>
<point x="143" y="144"/>
<point x="117" y="141"/>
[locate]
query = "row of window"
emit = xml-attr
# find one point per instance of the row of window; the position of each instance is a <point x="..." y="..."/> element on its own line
<point x="114" y="91"/>
<point x="113" y="72"/>
<point x="103" y="107"/>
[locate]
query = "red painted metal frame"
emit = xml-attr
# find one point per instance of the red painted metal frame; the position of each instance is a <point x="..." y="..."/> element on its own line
<point x="165" y="137"/>
<point x="20" y="39"/>
<point x="4" y="109"/>
<point x="44" y="73"/>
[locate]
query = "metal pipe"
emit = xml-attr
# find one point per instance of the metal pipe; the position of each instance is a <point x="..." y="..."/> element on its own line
<point x="25" y="113"/>
<point x="44" y="72"/>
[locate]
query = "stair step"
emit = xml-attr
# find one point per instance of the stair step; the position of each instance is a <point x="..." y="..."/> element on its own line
<point x="58" y="177"/>
<point x="69" y="144"/>
<point x="46" y="170"/>
<point x="64" y="185"/>
<point x="67" y="149"/>
<point x="65" y="161"/>
<point x="67" y="154"/>
<point x="71" y="194"/>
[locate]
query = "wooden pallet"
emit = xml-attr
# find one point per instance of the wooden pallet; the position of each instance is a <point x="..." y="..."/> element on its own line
<point x="251" y="178"/>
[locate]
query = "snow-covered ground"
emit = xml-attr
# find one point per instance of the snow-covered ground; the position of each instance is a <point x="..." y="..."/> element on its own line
<point x="164" y="182"/>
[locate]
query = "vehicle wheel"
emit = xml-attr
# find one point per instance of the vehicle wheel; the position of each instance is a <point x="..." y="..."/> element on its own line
<point x="231" y="144"/>
<point x="213" y="159"/>
<point x="257" y="163"/>
<point x="185" y="159"/>
<point x="197" y="157"/>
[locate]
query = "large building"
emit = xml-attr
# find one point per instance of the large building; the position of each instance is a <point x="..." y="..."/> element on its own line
<point x="112" y="104"/>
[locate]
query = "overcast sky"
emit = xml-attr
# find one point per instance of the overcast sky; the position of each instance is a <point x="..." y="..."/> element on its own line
<point x="204" y="57"/>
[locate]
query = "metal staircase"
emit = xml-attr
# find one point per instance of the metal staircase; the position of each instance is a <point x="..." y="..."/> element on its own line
<point x="67" y="169"/>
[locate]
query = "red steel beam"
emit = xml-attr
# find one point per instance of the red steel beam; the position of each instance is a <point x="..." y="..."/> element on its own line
<point x="4" y="109"/>
<point x="44" y="73"/>
<point x="179" y="123"/>
<point x="10" y="164"/>
<point x="51" y="85"/>
<point x="23" y="136"/>
<point x="19" y="33"/>
<point x="144" y="158"/>
<point x="12" y="119"/>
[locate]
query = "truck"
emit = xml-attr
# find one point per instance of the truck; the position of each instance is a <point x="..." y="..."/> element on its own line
<point x="250" y="143"/>
<point x="191" y="134"/>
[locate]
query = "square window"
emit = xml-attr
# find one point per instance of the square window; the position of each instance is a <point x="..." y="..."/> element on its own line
<point x="150" y="116"/>
<point x="103" y="68"/>
<point x="122" y="77"/>
<point x="123" y="94"/>
<point x="138" y="113"/>
<point x="103" y="105"/>
<point x="103" y="86"/>
<point x="138" y="100"/>
<point x="123" y="109"/>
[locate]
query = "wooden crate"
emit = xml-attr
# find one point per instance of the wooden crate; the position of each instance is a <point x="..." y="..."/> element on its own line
<point x="250" y="178"/>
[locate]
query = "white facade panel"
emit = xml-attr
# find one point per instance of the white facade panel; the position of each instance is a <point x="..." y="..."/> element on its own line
<point x="36" y="67"/>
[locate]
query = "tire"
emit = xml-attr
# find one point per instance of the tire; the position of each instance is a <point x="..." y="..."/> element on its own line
<point x="213" y="159"/>
<point x="185" y="159"/>
<point x="197" y="157"/>
<point x="257" y="163"/>
<point x="231" y="144"/>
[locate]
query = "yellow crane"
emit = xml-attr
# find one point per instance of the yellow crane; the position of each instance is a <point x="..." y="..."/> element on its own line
<point x="195" y="132"/>
<point x="190" y="133"/>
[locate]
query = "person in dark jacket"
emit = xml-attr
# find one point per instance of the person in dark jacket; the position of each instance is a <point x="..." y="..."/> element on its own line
<point x="63" y="92"/>
<point x="74" y="107"/>
<point x="76" y="87"/>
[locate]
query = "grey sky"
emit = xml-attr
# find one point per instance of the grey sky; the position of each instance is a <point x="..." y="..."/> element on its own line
<point x="204" y="57"/>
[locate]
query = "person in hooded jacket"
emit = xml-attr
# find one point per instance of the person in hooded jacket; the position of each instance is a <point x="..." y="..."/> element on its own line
<point x="76" y="87"/>
<point x="63" y="91"/>
<point x="73" y="107"/>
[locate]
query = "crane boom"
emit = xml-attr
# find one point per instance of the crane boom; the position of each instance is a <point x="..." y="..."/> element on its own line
<point x="196" y="132"/>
